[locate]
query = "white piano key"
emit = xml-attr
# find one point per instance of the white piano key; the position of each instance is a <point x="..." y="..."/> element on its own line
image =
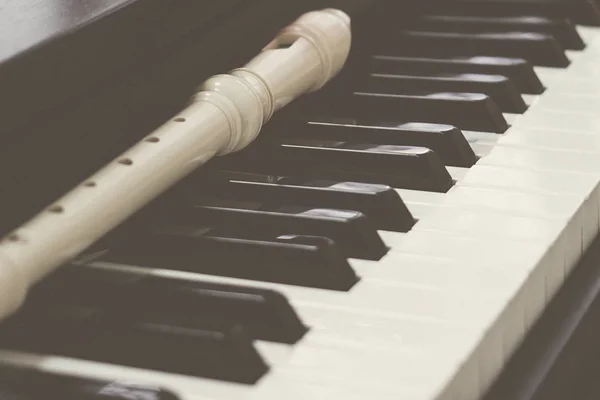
<point x="573" y="55"/>
<point x="541" y="205"/>
<point x="548" y="75"/>
<point x="501" y="251"/>
<point x="457" y="173"/>
<point x="542" y="159"/>
<point x="560" y="101"/>
<point x="530" y="180"/>
<point x="552" y="140"/>
<point x="481" y="137"/>
<point x="387" y="329"/>
<point x="592" y="50"/>
<point x="583" y="70"/>
<point x="481" y="149"/>
<point x="557" y="206"/>
<point x="283" y="385"/>
<point x="490" y="224"/>
<point x="587" y="33"/>
<point x="420" y="210"/>
<point x="578" y="85"/>
<point x="560" y="120"/>
<point x="384" y="367"/>
<point x="420" y="203"/>
<point x="436" y="273"/>
<point x="510" y="118"/>
<point x="530" y="99"/>
<point x="522" y="304"/>
<point x="505" y="226"/>
<point x="392" y="239"/>
<point x="420" y="197"/>
<point x="582" y="185"/>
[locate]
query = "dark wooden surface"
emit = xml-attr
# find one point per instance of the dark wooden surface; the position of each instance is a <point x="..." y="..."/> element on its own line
<point x="106" y="77"/>
<point x="52" y="51"/>
<point x="560" y="357"/>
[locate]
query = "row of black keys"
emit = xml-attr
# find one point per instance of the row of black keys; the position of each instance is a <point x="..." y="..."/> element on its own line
<point x="449" y="69"/>
<point x="117" y="318"/>
<point x="442" y="35"/>
<point x="192" y="328"/>
<point x="583" y="12"/>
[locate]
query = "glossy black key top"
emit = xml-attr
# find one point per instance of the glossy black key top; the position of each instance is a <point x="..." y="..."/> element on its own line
<point x="380" y="203"/>
<point x="264" y="313"/>
<point x="446" y="140"/>
<point x="561" y="29"/>
<point x="499" y="88"/>
<point x="351" y="230"/>
<point x="520" y="71"/>
<point x="470" y="111"/>
<point x="404" y="167"/>
<point x="584" y="12"/>
<point x="304" y="261"/>
<point x="537" y="48"/>
<point x="219" y="352"/>
<point x="29" y="384"/>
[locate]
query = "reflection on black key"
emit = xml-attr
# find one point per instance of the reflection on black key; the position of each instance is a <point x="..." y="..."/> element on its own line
<point x="520" y="71"/>
<point x="499" y="88"/>
<point x="28" y="384"/>
<point x="380" y="203"/>
<point x="220" y="352"/>
<point x="539" y="49"/>
<point x="471" y="111"/>
<point x="446" y="140"/>
<point x="264" y="313"/>
<point x="351" y="230"/>
<point x="306" y="261"/>
<point x="562" y="29"/>
<point x="584" y="12"/>
<point x="404" y="167"/>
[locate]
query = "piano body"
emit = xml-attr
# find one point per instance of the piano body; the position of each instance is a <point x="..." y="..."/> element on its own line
<point x="423" y="227"/>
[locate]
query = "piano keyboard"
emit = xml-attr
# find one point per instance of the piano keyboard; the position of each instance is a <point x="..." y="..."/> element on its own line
<point x="393" y="236"/>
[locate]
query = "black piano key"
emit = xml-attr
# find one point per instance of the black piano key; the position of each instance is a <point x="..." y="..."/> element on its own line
<point x="471" y="111"/>
<point x="446" y="140"/>
<point x="308" y="261"/>
<point x="520" y="71"/>
<point x="583" y="12"/>
<point x="537" y="48"/>
<point x="405" y="167"/>
<point x="219" y="352"/>
<point x="499" y="88"/>
<point x="29" y="384"/>
<point x="351" y="230"/>
<point x="380" y="203"/>
<point x="561" y="29"/>
<point x="264" y="313"/>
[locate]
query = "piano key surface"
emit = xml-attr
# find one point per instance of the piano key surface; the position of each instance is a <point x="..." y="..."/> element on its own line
<point x="439" y="314"/>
